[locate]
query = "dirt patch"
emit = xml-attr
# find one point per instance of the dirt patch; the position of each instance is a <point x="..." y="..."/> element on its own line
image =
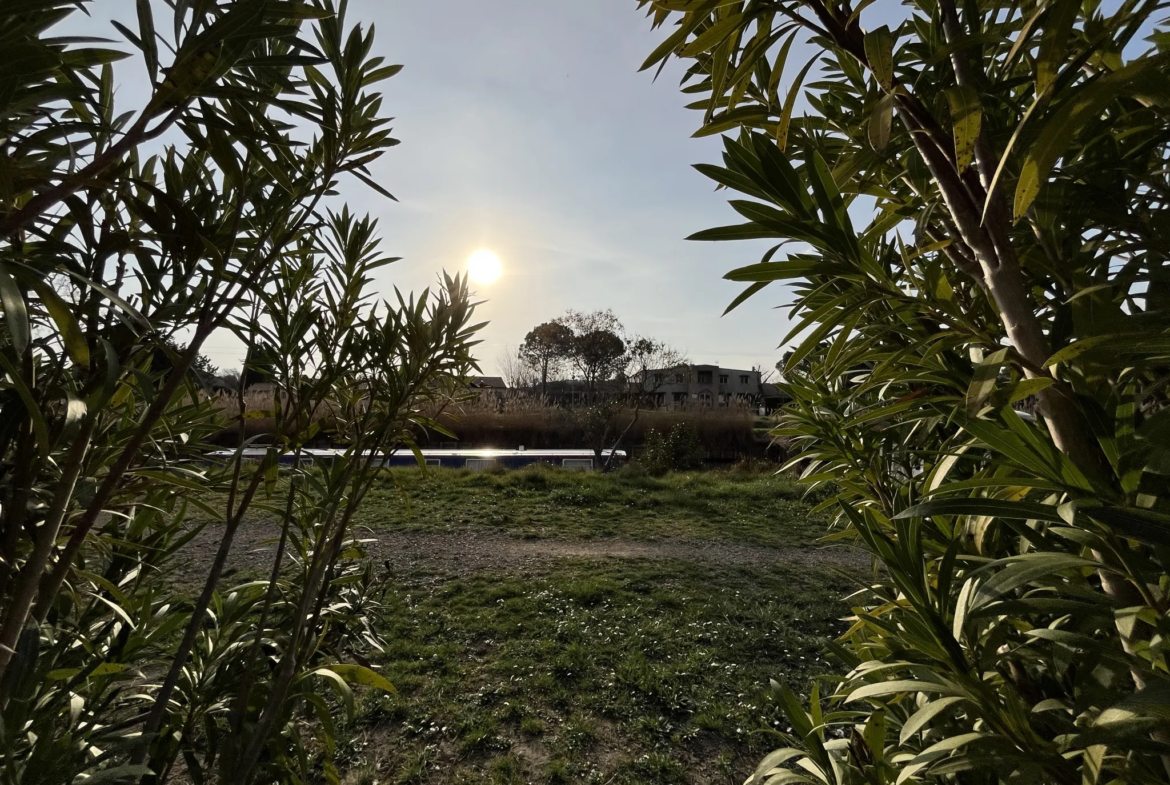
<point x="465" y="552"/>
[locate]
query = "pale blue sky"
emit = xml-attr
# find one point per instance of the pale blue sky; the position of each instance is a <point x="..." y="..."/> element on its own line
<point x="527" y="129"/>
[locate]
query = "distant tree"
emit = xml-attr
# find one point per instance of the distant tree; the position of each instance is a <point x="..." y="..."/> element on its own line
<point x="230" y="380"/>
<point x="599" y="356"/>
<point x="598" y="348"/>
<point x="164" y="359"/>
<point x="643" y="355"/>
<point x="546" y="349"/>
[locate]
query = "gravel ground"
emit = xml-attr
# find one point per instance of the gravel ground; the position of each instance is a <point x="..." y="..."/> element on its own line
<point x="461" y="553"/>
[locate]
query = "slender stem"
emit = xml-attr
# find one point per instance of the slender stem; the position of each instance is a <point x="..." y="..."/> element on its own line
<point x="195" y="624"/>
<point x="34" y="567"/>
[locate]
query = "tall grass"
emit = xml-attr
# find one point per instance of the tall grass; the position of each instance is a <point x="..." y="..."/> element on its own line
<point x="514" y="419"/>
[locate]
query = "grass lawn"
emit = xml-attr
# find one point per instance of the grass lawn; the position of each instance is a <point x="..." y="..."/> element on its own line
<point x="607" y="670"/>
<point x="758" y="508"/>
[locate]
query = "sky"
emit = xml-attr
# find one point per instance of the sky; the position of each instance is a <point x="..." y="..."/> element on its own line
<point x="526" y="129"/>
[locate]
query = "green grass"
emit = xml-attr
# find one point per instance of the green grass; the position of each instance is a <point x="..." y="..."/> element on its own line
<point x="752" y="507"/>
<point x="614" y="672"/>
<point x="630" y="672"/>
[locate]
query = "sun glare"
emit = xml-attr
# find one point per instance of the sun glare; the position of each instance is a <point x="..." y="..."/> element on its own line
<point x="484" y="267"/>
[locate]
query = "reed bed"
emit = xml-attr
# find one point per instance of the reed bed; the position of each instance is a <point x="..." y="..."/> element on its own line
<point x="512" y="419"/>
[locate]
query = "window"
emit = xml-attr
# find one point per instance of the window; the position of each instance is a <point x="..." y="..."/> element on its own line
<point x="434" y="462"/>
<point x="744" y="379"/>
<point x="679" y="397"/>
<point x="723" y="378"/>
<point x="705" y="377"/>
<point x="658" y="378"/>
<point x="678" y="378"/>
<point x="479" y="464"/>
<point x="578" y="464"/>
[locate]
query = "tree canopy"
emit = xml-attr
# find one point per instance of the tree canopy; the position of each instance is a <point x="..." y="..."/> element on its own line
<point x="547" y="348"/>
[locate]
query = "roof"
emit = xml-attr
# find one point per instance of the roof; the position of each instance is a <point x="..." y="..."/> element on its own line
<point x="705" y="367"/>
<point x="492" y="382"/>
<point x="772" y="391"/>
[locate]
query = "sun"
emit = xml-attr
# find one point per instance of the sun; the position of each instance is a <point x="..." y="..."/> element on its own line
<point x="484" y="267"/>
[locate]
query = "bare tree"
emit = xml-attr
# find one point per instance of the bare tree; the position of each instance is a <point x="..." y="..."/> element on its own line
<point x="517" y="372"/>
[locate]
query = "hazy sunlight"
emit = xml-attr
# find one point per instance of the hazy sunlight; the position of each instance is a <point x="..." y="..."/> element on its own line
<point x="484" y="267"/>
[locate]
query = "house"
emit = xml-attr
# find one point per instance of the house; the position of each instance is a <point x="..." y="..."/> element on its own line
<point x="772" y="397"/>
<point x="702" y="385"/>
<point x="488" y="385"/>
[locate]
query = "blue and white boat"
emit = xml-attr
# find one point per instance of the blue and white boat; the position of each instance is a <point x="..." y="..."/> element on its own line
<point x="473" y="459"/>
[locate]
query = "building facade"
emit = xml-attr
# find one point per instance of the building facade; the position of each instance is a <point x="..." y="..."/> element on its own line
<point x="702" y="386"/>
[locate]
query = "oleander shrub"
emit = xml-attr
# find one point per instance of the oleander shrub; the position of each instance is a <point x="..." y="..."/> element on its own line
<point x="128" y="236"/>
<point x="970" y="211"/>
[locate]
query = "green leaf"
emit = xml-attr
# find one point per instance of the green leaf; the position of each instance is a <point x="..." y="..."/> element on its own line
<point x="789" y="105"/>
<point x="15" y="312"/>
<point x="748" y="231"/>
<point x="1022" y="570"/>
<point x="884" y="688"/>
<point x="1029" y="387"/>
<point x="921" y="718"/>
<point x="744" y="295"/>
<point x="148" y="39"/>
<point x="984" y="379"/>
<point x="1049" y="465"/>
<point x="771" y="763"/>
<point x="967" y="116"/>
<point x="879" y="51"/>
<point x="339" y="684"/>
<point x="766" y="272"/>
<point x="372" y="184"/>
<point x="880" y="122"/>
<point x="1148" y="526"/>
<point x="980" y="506"/>
<point x="778" y="68"/>
<point x="67" y="323"/>
<point x="40" y="427"/>
<point x="1054" y="43"/>
<point x="713" y="36"/>
<point x="1074" y="350"/>
<point x="874" y="735"/>
<point x="359" y="674"/>
<point x="129" y="772"/>
<point x="1086" y="103"/>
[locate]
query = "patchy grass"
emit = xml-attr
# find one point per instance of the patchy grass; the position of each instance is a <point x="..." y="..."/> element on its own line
<point x="628" y="672"/>
<point x="759" y="508"/>
<point x="603" y="671"/>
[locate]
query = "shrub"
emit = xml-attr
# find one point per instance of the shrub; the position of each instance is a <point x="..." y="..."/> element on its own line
<point x="982" y="373"/>
<point x="676" y="450"/>
<point x="109" y="670"/>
